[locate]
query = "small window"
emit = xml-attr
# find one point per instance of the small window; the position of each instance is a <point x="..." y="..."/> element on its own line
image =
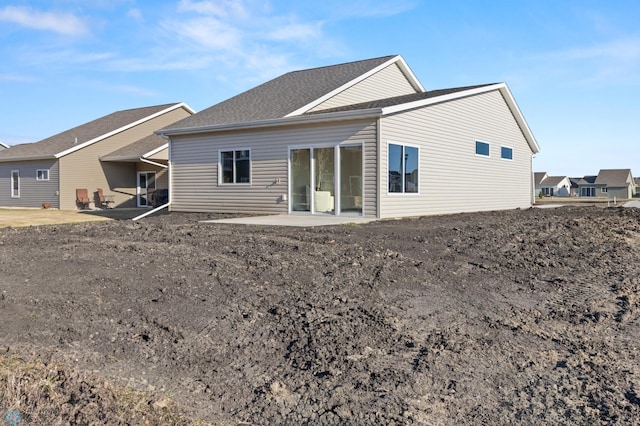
<point x="605" y="190"/>
<point x="42" y="174"/>
<point x="15" y="184"/>
<point x="482" y="148"/>
<point x="506" y="153"/>
<point x="235" y="167"/>
<point x="403" y="168"/>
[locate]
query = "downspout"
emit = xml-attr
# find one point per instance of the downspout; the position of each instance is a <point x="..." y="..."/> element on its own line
<point x="144" y="160"/>
<point x="378" y="168"/>
<point x="164" y="206"/>
<point x="145" y="214"/>
<point x="533" y="183"/>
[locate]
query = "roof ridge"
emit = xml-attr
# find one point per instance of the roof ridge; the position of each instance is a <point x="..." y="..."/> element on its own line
<point x="344" y="63"/>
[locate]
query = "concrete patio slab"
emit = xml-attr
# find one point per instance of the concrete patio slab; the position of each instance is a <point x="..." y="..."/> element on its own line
<point x="295" y="220"/>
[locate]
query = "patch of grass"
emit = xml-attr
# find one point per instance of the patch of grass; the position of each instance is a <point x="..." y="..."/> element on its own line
<point x="33" y="392"/>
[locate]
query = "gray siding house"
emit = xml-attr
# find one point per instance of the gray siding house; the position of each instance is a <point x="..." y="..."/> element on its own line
<point x="609" y="183"/>
<point x="361" y="138"/>
<point x="119" y="153"/>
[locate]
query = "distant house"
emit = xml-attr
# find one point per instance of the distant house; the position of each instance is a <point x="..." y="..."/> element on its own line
<point x="3" y="146"/>
<point x="575" y="187"/>
<point x="609" y="183"/>
<point x="616" y="183"/>
<point x="361" y="138"/>
<point x="119" y="153"/>
<point x="552" y="186"/>
<point x="587" y="186"/>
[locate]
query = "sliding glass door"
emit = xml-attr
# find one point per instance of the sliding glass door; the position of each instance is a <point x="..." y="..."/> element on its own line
<point x="300" y="184"/>
<point x="351" y="179"/>
<point x="326" y="179"/>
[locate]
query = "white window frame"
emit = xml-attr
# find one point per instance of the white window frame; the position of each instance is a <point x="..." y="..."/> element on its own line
<point x="604" y="190"/>
<point x="505" y="158"/>
<point x="220" y="171"/>
<point x="476" y="149"/>
<point x="45" y="172"/>
<point x="403" y="193"/>
<point x="11" y="181"/>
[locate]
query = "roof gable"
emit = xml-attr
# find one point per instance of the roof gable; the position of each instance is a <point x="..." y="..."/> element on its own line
<point x="538" y="177"/>
<point x="287" y="95"/>
<point x="614" y="177"/>
<point x="86" y="134"/>
<point x="143" y="148"/>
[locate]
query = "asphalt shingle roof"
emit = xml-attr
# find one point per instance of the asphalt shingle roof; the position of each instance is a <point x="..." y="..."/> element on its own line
<point x="137" y="149"/>
<point x="61" y="142"/>
<point x="538" y="177"/>
<point x="278" y="97"/>
<point x="398" y="100"/>
<point x="613" y="177"/>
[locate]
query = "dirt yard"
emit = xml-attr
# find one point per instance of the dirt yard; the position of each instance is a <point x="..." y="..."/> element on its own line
<point x="528" y="317"/>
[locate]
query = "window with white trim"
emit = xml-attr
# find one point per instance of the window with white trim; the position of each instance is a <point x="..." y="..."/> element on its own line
<point x="234" y="167"/>
<point x="15" y="184"/>
<point x="482" y="148"/>
<point x="42" y="174"/>
<point x="403" y="166"/>
<point x="604" y="190"/>
<point x="506" y="153"/>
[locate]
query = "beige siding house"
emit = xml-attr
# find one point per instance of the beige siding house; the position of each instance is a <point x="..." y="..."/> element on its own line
<point x="361" y="138"/>
<point x="119" y="153"/>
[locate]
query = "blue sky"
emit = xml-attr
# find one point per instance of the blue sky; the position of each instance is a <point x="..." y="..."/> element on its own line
<point x="573" y="66"/>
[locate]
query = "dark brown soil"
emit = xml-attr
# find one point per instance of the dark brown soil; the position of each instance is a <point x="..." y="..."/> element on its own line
<point x="527" y="317"/>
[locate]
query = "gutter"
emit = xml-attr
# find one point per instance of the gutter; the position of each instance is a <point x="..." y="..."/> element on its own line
<point x="276" y="122"/>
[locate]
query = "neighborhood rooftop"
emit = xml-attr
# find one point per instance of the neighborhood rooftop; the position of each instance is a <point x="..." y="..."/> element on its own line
<point x="283" y="95"/>
<point x="613" y="177"/>
<point x="54" y="145"/>
<point x="137" y="150"/>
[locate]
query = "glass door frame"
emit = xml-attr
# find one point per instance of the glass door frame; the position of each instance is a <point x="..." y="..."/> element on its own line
<point x="336" y="179"/>
<point x="139" y="193"/>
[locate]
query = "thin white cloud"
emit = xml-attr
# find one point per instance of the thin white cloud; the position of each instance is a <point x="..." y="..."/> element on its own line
<point x="222" y="9"/>
<point x="249" y="34"/>
<point x="615" y="61"/>
<point x="134" y="90"/>
<point x="18" y="78"/>
<point x="62" y="23"/>
<point x="297" y="31"/>
<point x="370" y="8"/>
<point x="135" y="14"/>
<point x="207" y="32"/>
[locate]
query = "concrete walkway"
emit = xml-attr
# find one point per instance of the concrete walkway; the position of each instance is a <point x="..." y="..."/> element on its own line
<point x="632" y="204"/>
<point x="295" y="220"/>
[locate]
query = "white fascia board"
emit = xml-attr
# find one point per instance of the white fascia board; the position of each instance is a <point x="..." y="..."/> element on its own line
<point x="155" y="151"/>
<point x="278" y="122"/>
<point x="4" y="144"/>
<point x="28" y="158"/>
<point x="502" y="87"/>
<point x="414" y="82"/>
<point x="122" y="129"/>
